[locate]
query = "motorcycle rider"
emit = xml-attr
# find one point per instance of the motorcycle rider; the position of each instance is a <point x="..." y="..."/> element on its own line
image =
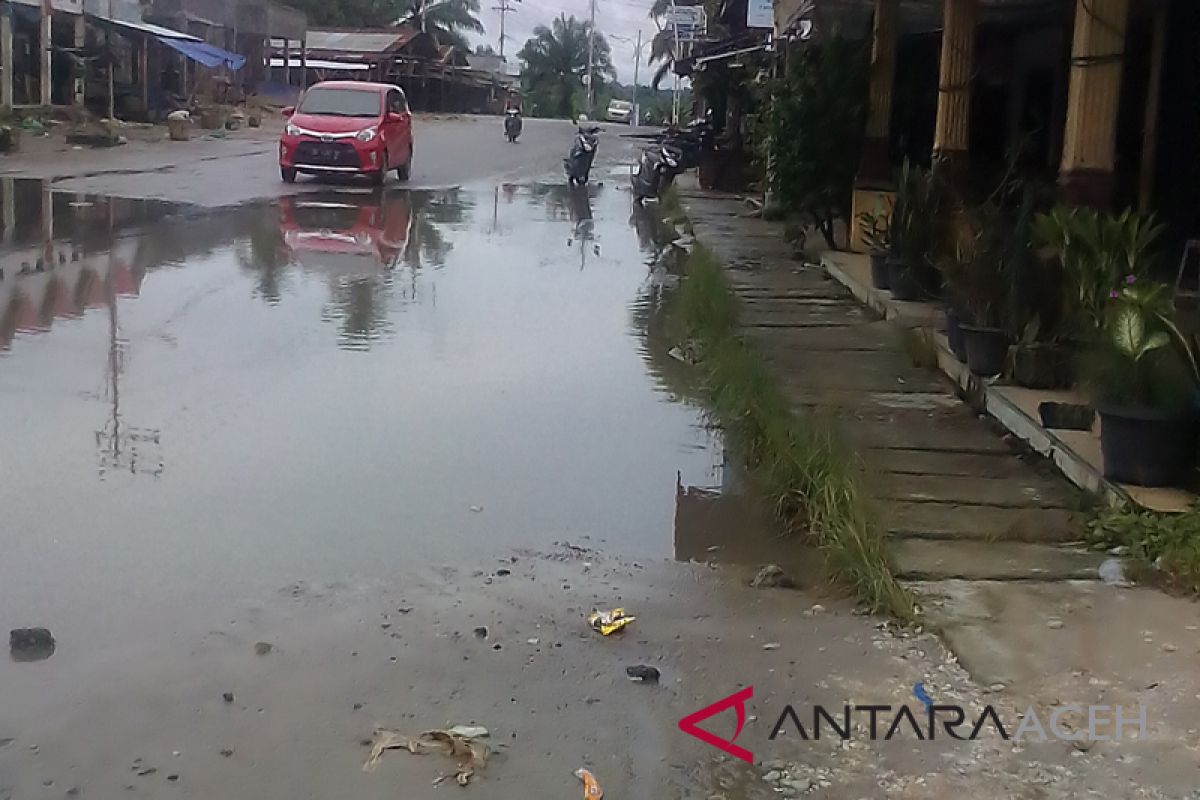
<point x="513" y="109"/>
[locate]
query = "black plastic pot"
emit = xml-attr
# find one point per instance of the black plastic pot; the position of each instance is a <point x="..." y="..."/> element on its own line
<point x="1066" y="416"/>
<point x="901" y="281"/>
<point x="1147" y="447"/>
<point x="1042" y="366"/>
<point x="954" y="336"/>
<point x="880" y="277"/>
<point x="987" y="349"/>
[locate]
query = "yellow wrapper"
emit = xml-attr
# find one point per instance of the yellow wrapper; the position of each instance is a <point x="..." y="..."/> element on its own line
<point x="607" y="622"/>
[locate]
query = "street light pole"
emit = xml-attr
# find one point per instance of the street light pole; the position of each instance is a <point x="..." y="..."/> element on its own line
<point x="591" y="59"/>
<point x="637" y="62"/>
<point x="675" y="57"/>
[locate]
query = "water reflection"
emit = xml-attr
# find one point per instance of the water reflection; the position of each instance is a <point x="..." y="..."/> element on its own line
<point x="368" y="247"/>
<point x="573" y="204"/>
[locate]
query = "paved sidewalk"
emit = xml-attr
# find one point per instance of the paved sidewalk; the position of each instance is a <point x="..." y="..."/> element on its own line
<point x="980" y="528"/>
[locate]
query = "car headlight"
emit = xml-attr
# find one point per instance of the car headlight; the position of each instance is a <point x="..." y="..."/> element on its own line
<point x="292" y="130"/>
<point x="366" y="135"/>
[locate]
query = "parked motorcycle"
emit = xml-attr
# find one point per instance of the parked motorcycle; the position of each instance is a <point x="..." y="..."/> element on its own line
<point x="512" y="124"/>
<point x="655" y="171"/>
<point x="578" y="163"/>
<point x="696" y="138"/>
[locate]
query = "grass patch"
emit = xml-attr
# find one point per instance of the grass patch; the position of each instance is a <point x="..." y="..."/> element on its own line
<point x="1164" y="548"/>
<point x="813" y="480"/>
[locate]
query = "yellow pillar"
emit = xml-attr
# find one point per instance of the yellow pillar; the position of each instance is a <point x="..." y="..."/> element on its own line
<point x="952" y="135"/>
<point x="1090" y="135"/>
<point x="873" y="185"/>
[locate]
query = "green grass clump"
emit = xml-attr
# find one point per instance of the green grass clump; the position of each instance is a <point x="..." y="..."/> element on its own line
<point x="1164" y="548"/>
<point x="812" y="478"/>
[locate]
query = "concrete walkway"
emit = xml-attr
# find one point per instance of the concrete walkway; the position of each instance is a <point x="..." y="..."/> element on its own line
<point x="961" y="501"/>
<point x="980" y="530"/>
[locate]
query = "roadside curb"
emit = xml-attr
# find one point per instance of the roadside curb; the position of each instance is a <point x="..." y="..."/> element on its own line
<point x="989" y="397"/>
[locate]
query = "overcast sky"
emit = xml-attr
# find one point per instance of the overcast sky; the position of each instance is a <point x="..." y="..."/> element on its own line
<point x="614" y="18"/>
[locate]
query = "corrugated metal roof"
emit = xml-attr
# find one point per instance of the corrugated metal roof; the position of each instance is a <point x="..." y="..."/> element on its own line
<point x="358" y="41"/>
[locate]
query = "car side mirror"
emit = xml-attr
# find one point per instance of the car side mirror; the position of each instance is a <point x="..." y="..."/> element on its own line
<point x="394" y="117"/>
<point x="288" y="111"/>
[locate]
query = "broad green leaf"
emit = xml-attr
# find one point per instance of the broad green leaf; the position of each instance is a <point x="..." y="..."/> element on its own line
<point x="1128" y="331"/>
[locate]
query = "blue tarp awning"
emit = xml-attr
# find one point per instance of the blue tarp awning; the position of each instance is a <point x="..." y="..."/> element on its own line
<point x="204" y="53"/>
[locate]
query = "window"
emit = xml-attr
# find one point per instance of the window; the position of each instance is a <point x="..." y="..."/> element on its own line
<point x="396" y="101"/>
<point x="340" y="102"/>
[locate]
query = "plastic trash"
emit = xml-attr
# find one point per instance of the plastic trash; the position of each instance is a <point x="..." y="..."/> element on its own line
<point x="470" y="754"/>
<point x="609" y="622"/>
<point x="591" y="787"/>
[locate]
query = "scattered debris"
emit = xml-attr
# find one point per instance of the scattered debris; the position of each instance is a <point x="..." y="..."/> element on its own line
<point x="470" y="754"/>
<point x="503" y="573"/>
<point x="1054" y="624"/>
<point x="817" y="608"/>
<point x="591" y="787"/>
<point x="686" y="353"/>
<point x="228" y="697"/>
<point x="481" y="632"/>
<point x="643" y="673"/>
<point x="30" y="644"/>
<point x="772" y="576"/>
<point x="263" y="648"/>
<point x="227" y="752"/>
<point x="1112" y="572"/>
<point x="469" y="731"/>
<point x="477" y="509"/>
<point x="771" y="646"/>
<point x="609" y="622"/>
<point x="535" y="641"/>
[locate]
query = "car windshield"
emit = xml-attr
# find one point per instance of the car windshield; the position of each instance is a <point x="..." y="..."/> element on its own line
<point x="340" y="103"/>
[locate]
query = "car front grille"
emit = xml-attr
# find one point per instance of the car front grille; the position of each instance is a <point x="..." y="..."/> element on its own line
<point x="326" y="154"/>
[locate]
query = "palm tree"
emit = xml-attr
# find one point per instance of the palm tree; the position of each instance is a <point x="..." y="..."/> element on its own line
<point x="556" y="60"/>
<point x="447" y="20"/>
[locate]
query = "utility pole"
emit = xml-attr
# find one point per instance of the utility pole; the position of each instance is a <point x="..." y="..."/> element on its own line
<point x="675" y="57"/>
<point x="591" y="60"/>
<point x="637" y="62"/>
<point x="504" y="8"/>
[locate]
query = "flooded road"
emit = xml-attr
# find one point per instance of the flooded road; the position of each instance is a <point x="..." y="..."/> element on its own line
<point x="202" y="408"/>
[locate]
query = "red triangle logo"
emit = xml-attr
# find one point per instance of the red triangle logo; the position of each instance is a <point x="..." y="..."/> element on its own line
<point x="737" y="701"/>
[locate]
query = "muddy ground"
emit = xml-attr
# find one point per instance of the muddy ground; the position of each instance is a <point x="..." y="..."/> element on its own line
<point x="470" y="421"/>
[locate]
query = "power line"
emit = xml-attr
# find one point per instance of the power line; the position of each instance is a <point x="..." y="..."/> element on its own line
<point x="504" y="8"/>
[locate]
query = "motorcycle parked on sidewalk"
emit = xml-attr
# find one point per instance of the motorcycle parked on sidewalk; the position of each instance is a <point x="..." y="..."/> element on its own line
<point x="655" y="171"/>
<point x="692" y="141"/>
<point x="512" y="124"/>
<point x="578" y="163"/>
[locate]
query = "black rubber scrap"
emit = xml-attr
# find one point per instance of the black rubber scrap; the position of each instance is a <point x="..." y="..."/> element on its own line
<point x="643" y="673"/>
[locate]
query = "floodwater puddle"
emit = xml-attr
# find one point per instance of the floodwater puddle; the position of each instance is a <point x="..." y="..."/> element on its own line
<point x="203" y="406"/>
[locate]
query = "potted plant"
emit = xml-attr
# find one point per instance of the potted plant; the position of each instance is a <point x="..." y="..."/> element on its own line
<point x="1143" y="379"/>
<point x="975" y="277"/>
<point x="873" y="229"/>
<point x="912" y="233"/>
<point x="1097" y="253"/>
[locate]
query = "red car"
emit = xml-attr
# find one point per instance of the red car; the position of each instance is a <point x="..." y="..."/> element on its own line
<point x="348" y="128"/>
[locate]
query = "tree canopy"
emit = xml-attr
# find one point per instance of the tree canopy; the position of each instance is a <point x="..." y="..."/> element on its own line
<point x="448" y="20"/>
<point x="555" y="60"/>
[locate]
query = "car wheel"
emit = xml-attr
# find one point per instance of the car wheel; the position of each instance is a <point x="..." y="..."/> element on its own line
<point x="288" y="174"/>
<point x="404" y="171"/>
